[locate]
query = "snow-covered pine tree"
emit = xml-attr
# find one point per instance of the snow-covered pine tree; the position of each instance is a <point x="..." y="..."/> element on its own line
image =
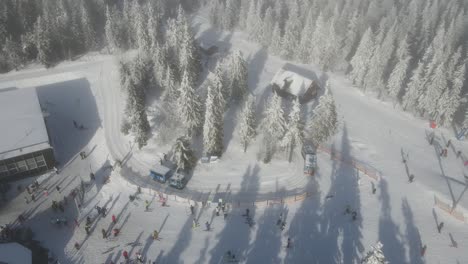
<point x="378" y="64"/>
<point x="253" y="22"/>
<point x="111" y="30"/>
<point x="13" y="53"/>
<point x="329" y="56"/>
<point x="360" y="60"/>
<point x="216" y="11"/>
<point x="324" y="120"/>
<point x="171" y="93"/>
<point x="189" y="106"/>
<point x="154" y="20"/>
<point x="274" y="123"/>
<point x="43" y="42"/>
<point x="292" y="32"/>
<point x="351" y="35"/>
<point x="318" y="38"/>
<point x="183" y="155"/>
<point x="397" y="79"/>
<point x="188" y="56"/>
<point x="135" y="105"/>
<point x="237" y="75"/>
<point x="414" y="90"/>
<point x="295" y="129"/>
<point x="450" y="100"/>
<point x="247" y="122"/>
<point x="160" y="64"/>
<point x="244" y="9"/>
<point x="143" y="41"/>
<point x="276" y="40"/>
<point x="87" y="25"/>
<point x="268" y="25"/>
<point x="304" y="48"/>
<point x="435" y="87"/>
<point x="214" y="119"/>
<point x="375" y="256"/>
<point x="231" y="14"/>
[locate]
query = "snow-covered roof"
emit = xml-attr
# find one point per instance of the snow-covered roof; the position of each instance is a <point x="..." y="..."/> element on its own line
<point x="14" y="253"/>
<point x="292" y="82"/>
<point x="23" y="127"/>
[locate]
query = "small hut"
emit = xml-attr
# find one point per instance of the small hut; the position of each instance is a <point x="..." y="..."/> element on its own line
<point x="291" y="84"/>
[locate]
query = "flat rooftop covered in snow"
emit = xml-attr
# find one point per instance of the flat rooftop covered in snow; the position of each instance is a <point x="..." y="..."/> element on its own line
<point x="23" y="127"/>
<point x="14" y="253"/>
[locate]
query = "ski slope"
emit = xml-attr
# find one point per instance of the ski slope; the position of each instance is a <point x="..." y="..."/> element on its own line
<point x="400" y="214"/>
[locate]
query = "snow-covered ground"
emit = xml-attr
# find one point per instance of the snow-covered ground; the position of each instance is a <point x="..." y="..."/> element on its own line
<point x="400" y="214"/>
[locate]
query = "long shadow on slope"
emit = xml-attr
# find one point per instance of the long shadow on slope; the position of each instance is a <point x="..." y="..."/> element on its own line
<point x="73" y="117"/>
<point x="389" y="232"/>
<point x="256" y="66"/>
<point x="412" y="234"/>
<point x="334" y="222"/>
<point x="183" y="241"/>
<point x="236" y="233"/>
<point x="304" y="228"/>
<point x="267" y="244"/>
<point x="329" y="235"/>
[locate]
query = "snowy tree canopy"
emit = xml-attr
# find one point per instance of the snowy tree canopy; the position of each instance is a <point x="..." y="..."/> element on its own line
<point x="274" y="123"/>
<point x="214" y="118"/>
<point x="189" y="105"/>
<point x="182" y="154"/>
<point x="375" y="256"/>
<point x="324" y="120"/>
<point x="247" y="122"/>
<point x="295" y="129"/>
<point x="237" y="75"/>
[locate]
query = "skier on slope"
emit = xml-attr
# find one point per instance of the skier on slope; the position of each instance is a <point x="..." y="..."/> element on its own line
<point x="155" y="234"/>
<point x="139" y="257"/>
<point x="125" y="254"/>
<point x="146" y="205"/>
<point x="208" y="226"/>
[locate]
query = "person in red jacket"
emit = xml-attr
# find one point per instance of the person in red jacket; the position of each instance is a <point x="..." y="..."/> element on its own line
<point x="125" y="255"/>
<point x="114" y="220"/>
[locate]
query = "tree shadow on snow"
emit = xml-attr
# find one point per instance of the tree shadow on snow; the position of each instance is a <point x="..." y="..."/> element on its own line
<point x="324" y="233"/>
<point x="389" y="232"/>
<point x="73" y="117"/>
<point x="183" y="242"/>
<point x="237" y="232"/>
<point x="412" y="234"/>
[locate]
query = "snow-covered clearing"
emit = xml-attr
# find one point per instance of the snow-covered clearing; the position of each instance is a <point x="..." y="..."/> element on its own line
<point x="400" y="214"/>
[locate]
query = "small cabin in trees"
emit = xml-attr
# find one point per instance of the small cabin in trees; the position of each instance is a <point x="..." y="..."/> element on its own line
<point x="294" y="82"/>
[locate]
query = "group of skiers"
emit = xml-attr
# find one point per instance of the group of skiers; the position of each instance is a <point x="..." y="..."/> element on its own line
<point x="353" y="213"/>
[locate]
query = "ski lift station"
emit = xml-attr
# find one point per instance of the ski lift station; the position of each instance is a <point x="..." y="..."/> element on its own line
<point x="25" y="147"/>
<point x="160" y="173"/>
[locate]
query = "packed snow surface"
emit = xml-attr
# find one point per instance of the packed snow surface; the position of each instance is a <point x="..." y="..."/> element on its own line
<point x="400" y="214"/>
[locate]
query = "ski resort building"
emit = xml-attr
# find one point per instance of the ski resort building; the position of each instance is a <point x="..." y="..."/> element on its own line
<point x="293" y="82"/>
<point x="25" y="147"/>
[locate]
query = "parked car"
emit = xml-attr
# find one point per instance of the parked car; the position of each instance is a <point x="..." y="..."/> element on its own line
<point x="310" y="159"/>
<point x="178" y="181"/>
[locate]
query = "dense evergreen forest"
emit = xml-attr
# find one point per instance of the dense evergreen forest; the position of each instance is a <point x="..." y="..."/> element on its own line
<point x="412" y="51"/>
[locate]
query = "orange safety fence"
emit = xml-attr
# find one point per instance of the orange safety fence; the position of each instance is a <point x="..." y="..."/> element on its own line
<point x="448" y="209"/>
<point x="366" y="169"/>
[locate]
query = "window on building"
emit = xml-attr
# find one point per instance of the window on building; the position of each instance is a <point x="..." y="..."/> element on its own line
<point x="3" y="170"/>
<point x="22" y="165"/>
<point x="40" y="161"/>
<point x="12" y="168"/>
<point x="31" y="163"/>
